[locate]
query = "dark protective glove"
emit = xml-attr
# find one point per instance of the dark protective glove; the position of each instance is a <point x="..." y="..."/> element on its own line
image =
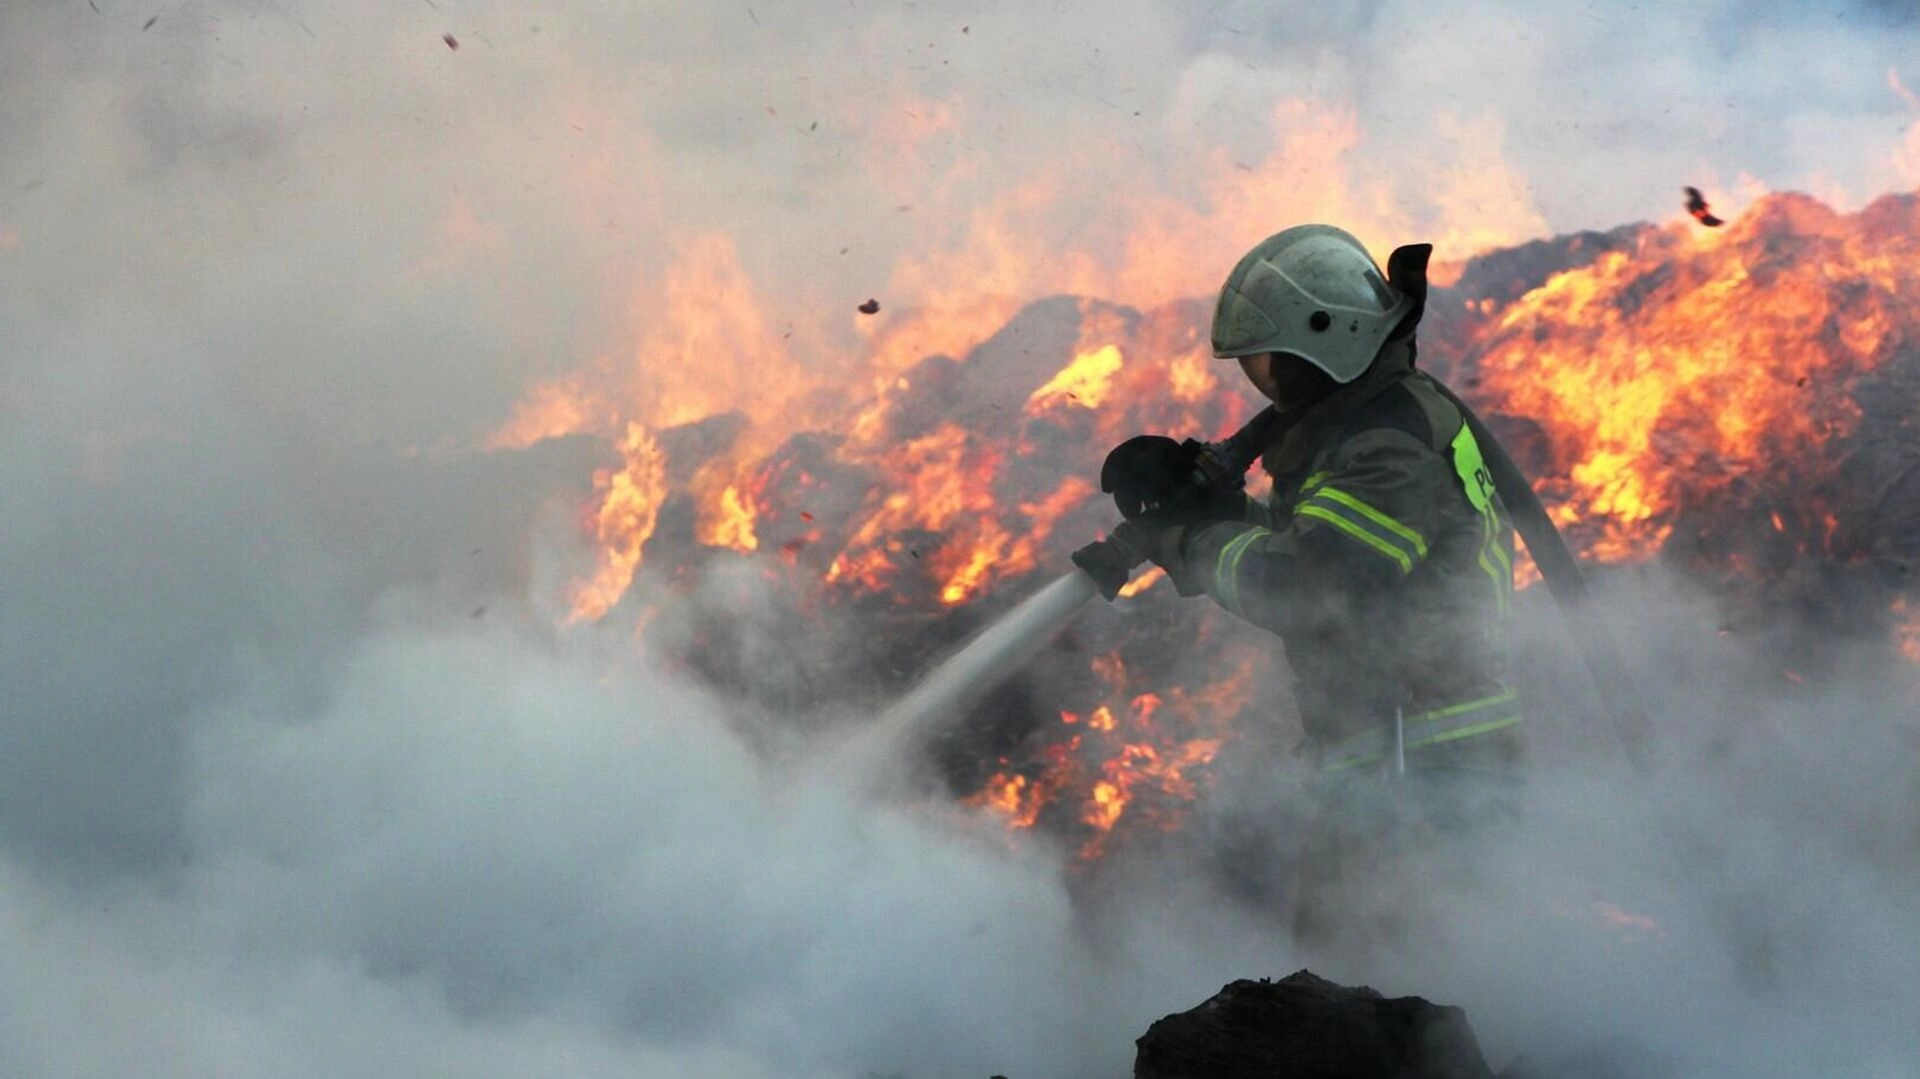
<point x="1153" y="474"/>
<point x="1109" y="564"/>
<point x="1145" y="472"/>
<point x="1151" y="537"/>
<point x="1163" y="540"/>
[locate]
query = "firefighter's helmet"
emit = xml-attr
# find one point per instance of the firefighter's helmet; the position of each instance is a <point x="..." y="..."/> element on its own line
<point x="1311" y="291"/>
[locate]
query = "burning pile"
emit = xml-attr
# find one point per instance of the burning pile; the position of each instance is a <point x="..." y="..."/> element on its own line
<point x="1738" y="401"/>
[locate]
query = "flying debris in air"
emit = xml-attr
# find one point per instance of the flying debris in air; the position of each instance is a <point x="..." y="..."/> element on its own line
<point x="148" y="25"/>
<point x="452" y="42"/>
<point x="871" y="307"/>
<point x="1697" y="206"/>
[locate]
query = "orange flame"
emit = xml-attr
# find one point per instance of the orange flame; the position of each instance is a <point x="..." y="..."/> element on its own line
<point x="728" y="521"/>
<point x="1013" y="797"/>
<point x="1623" y="360"/>
<point x="1190" y="377"/>
<point x="977" y="558"/>
<point x="1153" y="576"/>
<point x="1692" y="380"/>
<point x="629" y="509"/>
<point x="1128" y="755"/>
<point x="1141" y="765"/>
<point x="704" y="340"/>
<point x="1085" y="382"/>
<point x="552" y="410"/>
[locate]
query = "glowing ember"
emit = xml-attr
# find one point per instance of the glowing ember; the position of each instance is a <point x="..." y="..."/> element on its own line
<point x="1105" y="805"/>
<point x="1013" y="797"/>
<point x="1126" y="764"/>
<point x="1140" y="765"/>
<point x="871" y="569"/>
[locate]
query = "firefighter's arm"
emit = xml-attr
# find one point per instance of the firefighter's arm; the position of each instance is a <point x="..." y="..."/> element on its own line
<point x="1365" y="523"/>
<point x="1250" y="510"/>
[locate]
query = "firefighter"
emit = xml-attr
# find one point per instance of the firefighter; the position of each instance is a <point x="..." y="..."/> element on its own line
<point x="1383" y="557"/>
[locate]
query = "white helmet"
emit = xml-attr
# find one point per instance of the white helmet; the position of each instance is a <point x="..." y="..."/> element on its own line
<point x="1314" y="292"/>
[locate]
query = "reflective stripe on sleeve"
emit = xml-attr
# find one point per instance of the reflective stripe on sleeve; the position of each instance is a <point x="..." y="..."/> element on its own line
<point x="1377" y="531"/>
<point x="1226" y="568"/>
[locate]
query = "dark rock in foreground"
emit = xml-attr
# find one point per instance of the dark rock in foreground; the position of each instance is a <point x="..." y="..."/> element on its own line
<point x="1305" y="1027"/>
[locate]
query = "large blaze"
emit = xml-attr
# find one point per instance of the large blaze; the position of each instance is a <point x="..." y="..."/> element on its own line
<point x="1674" y="391"/>
<point x="1695" y="361"/>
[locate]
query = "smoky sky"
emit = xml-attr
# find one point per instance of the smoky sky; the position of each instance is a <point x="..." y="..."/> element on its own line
<point x="300" y="772"/>
<point x="330" y="192"/>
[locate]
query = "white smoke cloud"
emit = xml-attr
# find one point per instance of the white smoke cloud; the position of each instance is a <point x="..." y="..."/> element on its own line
<point x="296" y="777"/>
<point x="483" y="849"/>
<point x="1743" y="908"/>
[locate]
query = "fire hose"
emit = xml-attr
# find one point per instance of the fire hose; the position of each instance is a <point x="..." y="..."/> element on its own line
<point x="992" y="655"/>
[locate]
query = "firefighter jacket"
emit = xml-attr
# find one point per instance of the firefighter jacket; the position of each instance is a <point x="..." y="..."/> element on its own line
<point x="1384" y="560"/>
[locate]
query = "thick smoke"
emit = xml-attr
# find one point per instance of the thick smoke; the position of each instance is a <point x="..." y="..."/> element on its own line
<point x="298" y="776"/>
<point x="1741" y="907"/>
<point x="505" y="850"/>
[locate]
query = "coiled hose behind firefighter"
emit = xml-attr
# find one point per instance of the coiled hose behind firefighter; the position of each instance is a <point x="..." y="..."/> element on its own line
<point x="1585" y="624"/>
<point x="1407" y="270"/>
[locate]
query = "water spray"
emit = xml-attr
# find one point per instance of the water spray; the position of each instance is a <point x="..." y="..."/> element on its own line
<point x="998" y="651"/>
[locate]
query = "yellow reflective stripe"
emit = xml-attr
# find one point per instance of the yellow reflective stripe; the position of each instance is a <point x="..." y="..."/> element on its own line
<point x="1350" y="762"/>
<point x="1378" y="751"/>
<point x="1500" y="554"/>
<point x="1418" y="541"/>
<point x="1315" y="480"/>
<point x="1465" y="732"/>
<point x="1368" y="525"/>
<point x="1488" y="701"/>
<point x="1360" y="533"/>
<point x="1503" y="578"/>
<point x="1501" y="710"/>
<point x="1499" y="586"/>
<point x="1226" y="568"/>
<point x="1490" y="544"/>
